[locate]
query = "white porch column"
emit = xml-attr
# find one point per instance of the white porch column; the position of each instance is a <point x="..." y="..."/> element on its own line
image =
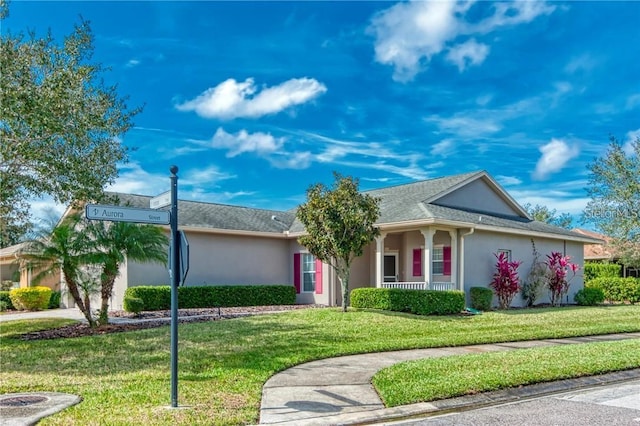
<point x="426" y="255"/>
<point x="380" y="259"/>
<point x="453" y="234"/>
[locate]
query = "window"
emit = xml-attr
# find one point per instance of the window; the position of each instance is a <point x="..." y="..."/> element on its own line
<point x="437" y="261"/>
<point x="308" y="272"/>
<point x="506" y="252"/>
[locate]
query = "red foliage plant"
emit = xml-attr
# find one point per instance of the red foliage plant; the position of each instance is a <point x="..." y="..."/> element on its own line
<point x="505" y="282"/>
<point x="557" y="282"/>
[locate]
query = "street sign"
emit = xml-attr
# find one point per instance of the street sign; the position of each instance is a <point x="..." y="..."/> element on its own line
<point x="126" y="214"/>
<point x="162" y="200"/>
<point x="184" y="256"/>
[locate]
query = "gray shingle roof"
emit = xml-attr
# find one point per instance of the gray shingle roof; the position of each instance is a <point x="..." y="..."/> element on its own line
<point x="401" y="203"/>
<point x="219" y="216"/>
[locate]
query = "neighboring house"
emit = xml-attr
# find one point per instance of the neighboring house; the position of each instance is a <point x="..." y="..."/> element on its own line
<point x="14" y="267"/>
<point x="438" y="234"/>
<point x="603" y="252"/>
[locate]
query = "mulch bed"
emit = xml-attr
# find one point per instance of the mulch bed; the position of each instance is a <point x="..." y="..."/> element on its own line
<point x="153" y="319"/>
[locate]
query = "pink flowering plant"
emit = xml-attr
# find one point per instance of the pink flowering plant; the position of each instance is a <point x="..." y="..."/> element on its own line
<point x="505" y="282"/>
<point x="557" y="282"/>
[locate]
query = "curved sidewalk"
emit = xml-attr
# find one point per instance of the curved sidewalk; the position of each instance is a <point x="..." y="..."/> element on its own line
<point x="339" y="391"/>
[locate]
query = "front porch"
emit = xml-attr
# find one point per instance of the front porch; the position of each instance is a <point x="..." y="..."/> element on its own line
<point x="418" y="259"/>
<point x="438" y="286"/>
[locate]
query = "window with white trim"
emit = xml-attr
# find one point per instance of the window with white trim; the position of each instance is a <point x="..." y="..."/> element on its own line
<point x="506" y="252"/>
<point x="308" y="272"/>
<point x="437" y="261"/>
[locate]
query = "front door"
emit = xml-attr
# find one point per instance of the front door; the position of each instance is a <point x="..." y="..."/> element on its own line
<point x="390" y="267"/>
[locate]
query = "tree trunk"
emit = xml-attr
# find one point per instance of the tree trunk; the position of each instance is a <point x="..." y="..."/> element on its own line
<point x="85" y="308"/>
<point x="105" y="292"/>
<point x="344" y="281"/>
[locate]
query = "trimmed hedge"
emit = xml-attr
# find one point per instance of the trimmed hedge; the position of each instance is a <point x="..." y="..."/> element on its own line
<point x="600" y="270"/>
<point x="4" y="297"/>
<point x="159" y="297"/>
<point x="133" y="304"/>
<point x="481" y="298"/>
<point x="617" y="289"/>
<point x="589" y="296"/>
<point x="420" y="302"/>
<point x="30" y="298"/>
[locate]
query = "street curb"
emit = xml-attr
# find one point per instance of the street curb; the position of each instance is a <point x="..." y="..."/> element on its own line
<point x="470" y="402"/>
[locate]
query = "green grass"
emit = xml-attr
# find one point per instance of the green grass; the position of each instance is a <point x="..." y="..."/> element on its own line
<point x="124" y="377"/>
<point x="438" y="378"/>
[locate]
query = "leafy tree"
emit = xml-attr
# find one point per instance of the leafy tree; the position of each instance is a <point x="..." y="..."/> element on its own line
<point x="339" y="222"/>
<point x="59" y="124"/>
<point x="614" y="188"/>
<point x="90" y="254"/>
<point x="66" y="250"/>
<point x="120" y="241"/>
<point x="536" y="278"/>
<point x="552" y="217"/>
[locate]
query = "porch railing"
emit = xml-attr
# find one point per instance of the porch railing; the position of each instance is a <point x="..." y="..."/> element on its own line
<point x="439" y="286"/>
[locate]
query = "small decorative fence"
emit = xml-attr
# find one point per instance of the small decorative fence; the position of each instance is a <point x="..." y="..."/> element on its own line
<point x="438" y="286"/>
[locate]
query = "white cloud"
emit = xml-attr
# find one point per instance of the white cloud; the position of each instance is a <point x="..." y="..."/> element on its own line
<point x="633" y="101"/>
<point x="292" y="160"/>
<point x="631" y="137"/>
<point x="466" y="126"/>
<point x="555" y="156"/>
<point x="231" y="99"/>
<point x="468" y="53"/>
<point x="243" y="141"/>
<point x="580" y="63"/>
<point x="132" y="63"/>
<point x="133" y="179"/>
<point x="209" y="175"/>
<point x="508" y="180"/>
<point x="443" y="148"/>
<point x="408" y="35"/>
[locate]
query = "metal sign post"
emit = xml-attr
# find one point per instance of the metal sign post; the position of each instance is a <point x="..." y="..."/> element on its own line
<point x="175" y="278"/>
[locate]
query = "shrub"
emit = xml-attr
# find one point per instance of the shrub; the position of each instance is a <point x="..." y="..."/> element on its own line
<point x="505" y="282"/>
<point x="159" y="297"/>
<point x="30" y="298"/>
<point x="589" y="296"/>
<point x="557" y="282"/>
<point x="6" y="285"/>
<point x="600" y="270"/>
<point x="133" y="304"/>
<point x="3" y="306"/>
<point x="54" y="302"/>
<point x="617" y="289"/>
<point x="481" y="298"/>
<point x="533" y="284"/>
<point x="4" y="297"/>
<point x="155" y="298"/>
<point x="420" y="302"/>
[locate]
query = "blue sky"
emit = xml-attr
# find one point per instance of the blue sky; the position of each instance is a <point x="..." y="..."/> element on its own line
<point x="255" y="101"/>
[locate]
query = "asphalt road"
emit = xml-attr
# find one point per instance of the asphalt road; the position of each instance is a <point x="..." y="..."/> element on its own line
<point x="604" y="405"/>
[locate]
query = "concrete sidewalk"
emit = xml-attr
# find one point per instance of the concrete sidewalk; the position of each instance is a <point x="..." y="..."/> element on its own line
<point x="339" y="391"/>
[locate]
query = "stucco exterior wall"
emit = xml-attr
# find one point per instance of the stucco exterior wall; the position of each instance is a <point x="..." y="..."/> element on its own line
<point x="479" y="259"/>
<point x="216" y="259"/>
<point x="477" y="195"/>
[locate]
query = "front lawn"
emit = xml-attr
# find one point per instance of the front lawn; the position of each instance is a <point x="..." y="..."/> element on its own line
<point x="439" y="378"/>
<point x="124" y="377"/>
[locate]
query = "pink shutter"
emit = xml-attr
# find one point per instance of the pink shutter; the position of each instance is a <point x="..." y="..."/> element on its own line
<point x="417" y="262"/>
<point x="318" y="276"/>
<point x="296" y="271"/>
<point x="446" y="256"/>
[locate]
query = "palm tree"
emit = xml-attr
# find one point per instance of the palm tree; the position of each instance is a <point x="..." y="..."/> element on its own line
<point x="120" y="241"/>
<point x="65" y="249"/>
